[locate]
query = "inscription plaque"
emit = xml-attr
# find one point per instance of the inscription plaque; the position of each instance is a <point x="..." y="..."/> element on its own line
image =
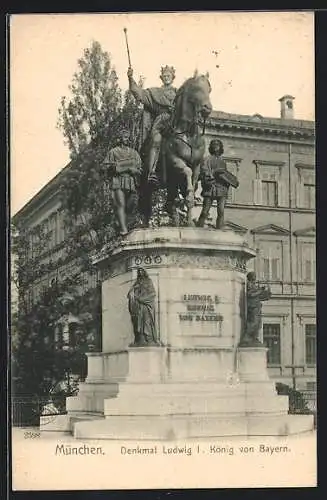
<point x="200" y="308"/>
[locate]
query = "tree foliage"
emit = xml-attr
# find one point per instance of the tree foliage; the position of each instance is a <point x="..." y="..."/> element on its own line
<point x="95" y="103"/>
<point x="91" y="120"/>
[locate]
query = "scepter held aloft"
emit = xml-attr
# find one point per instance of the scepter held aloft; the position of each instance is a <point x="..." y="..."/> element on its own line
<point x="128" y="54"/>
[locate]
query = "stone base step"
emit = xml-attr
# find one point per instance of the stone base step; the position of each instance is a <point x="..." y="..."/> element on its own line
<point x="65" y="423"/>
<point x="191" y="426"/>
<point x="92" y="398"/>
<point x="194" y="404"/>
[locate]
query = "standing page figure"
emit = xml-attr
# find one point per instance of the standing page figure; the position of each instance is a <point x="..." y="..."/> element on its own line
<point x="124" y="170"/>
<point x="215" y="180"/>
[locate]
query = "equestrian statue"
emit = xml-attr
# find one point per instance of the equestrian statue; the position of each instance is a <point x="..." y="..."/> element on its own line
<point x="174" y="146"/>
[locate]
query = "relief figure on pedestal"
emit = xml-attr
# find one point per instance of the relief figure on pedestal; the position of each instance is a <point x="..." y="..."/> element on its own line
<point x="255" y="295"/>
<point x="141" y="305"/>
<point x="216" y="181"/>
<point x="124" y="168"/>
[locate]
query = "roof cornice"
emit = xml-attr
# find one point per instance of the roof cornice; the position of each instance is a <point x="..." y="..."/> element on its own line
<point x="46" y="191"/>
<point x="290" y="129"/>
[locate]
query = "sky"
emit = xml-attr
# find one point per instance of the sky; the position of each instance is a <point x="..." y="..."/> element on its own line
<point x="252" y="58"/>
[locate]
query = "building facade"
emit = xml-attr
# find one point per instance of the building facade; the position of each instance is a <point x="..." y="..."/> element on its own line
<point x="273" y="208"/>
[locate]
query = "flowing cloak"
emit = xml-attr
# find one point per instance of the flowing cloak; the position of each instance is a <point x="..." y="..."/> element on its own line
<point x="156" y="101"/>
<point x="141" y="306"/>
<point x="123" y="158"/>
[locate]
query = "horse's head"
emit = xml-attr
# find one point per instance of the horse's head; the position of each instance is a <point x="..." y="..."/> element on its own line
<point x="195" y="96"/>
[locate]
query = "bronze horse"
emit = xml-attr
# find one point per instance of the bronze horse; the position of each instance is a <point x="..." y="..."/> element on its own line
<point x="183" y="146"/>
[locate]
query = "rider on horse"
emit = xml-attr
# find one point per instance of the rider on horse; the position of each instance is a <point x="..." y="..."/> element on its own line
<point x="158" y="105"/>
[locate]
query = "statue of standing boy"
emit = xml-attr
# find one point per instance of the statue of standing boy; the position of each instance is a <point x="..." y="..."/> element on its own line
<point x="125" y="167"/>
<point x="215" y="181"/>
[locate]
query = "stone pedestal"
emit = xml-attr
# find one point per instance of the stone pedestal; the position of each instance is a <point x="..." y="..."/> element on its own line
<point x="146" y="365"/>
<point x="252" y="364"/>
<point x="198" y="382"/>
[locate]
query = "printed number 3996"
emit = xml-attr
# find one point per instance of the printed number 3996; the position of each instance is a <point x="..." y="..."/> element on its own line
<point x="31" y="435"/>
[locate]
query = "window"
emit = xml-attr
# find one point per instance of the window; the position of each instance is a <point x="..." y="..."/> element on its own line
<point x="52" y="227"/>
<point x="60" y="226"/>
<point x="266" y="269"/>
<point x="30" y="246"/>
<point x="308" y="263"/>
<point x="309" y="195"/>
<point x="269" y="193"/>
<point x="270" y="183"/>
<point x="305" y="187"/>
<point x="270" y="267"/>
<point x="271" y="339"/>
<point x="45" y="235"/>
<point x="310" y="344"/>
<point x="34" y="244"/>
<point x="308" y="271"/>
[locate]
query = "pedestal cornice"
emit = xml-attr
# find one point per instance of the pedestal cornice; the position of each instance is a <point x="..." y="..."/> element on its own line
<point x="176" y="247"/>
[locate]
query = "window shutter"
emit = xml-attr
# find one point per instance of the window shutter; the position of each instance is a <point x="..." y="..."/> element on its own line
<point x="299" y="194"/>
<point x="275" y="269"/>
<point x="232" y="168"/>
<point x="310" y="344"/>
<point x="281" y="195"/>
<point x="266" y="271"/>
<point x="308" y="270"/>
<point x="257" y="264"/>
<point x="272" y="340"/>
<point x="257" y="192"/>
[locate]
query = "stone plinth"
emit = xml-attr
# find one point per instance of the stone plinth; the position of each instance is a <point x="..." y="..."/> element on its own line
<point x="146" y="365"/>
<point x="177" y="408"/>
<point x="184" y="264"/>
<point x="197" y="382"/>
<point x="252" y="364"/>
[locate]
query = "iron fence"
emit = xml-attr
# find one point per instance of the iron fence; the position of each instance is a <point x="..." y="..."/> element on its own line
<point x="310" y="398"/>
<point x="27" y="410"/>
<point x="304" y="403"/>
